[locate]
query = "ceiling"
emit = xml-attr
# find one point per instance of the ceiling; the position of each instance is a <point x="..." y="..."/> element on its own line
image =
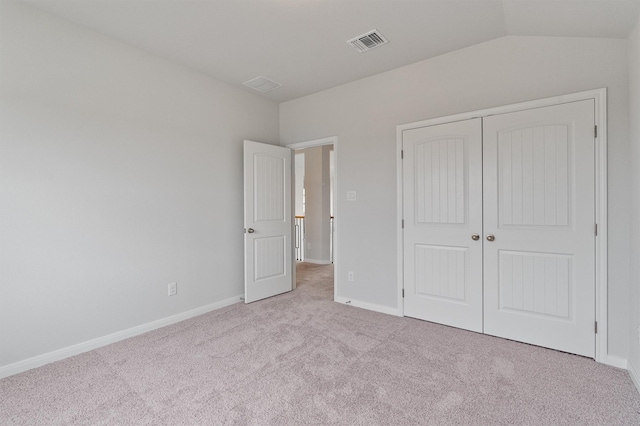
<point x="302" y="44"/>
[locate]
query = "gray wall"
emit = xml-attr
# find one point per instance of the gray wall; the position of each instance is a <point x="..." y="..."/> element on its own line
<point x="317" y="222"/>
<point x="634" y="126"/>
<point x="299" y="185"/>
<point x="119" y="173"/>
<point x="364" y="114"/>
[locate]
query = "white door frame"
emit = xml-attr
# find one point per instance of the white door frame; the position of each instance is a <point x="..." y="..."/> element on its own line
<point x="332" y="140"/>
<point x="601" y="285"/>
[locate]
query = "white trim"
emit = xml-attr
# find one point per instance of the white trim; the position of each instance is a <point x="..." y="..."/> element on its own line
<point x="317" y="261"/>
<point x="615" y="361"/>
<point x="600" y="98"/>
<point x="57" y="355"/>
<point x="369" y="306"/>
<point x="294" y="277"/>
<point x="331" y="140"/>
<point x="400" y="219"/>
<point x="538" y="103"/>
<point x="602" y="283"/>
<point x="635" y="376"/>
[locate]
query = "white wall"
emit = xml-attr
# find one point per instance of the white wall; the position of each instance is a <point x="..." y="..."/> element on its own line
<point x="119" y="173"/>
<point x="364" y="115"/>
<point x="299" y="183"/>
<point x="317" y="224"/>
<point x="634" y="127"/>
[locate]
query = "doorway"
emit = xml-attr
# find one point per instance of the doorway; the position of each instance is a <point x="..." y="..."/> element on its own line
<point x="315" y="233"/>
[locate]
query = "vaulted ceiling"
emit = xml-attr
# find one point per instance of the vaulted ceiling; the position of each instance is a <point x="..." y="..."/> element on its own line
<point x="302" y="44"/>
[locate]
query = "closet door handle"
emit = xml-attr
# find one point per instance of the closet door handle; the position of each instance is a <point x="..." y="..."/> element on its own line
<point x="475" y="237"/>
<point x="251" y="230"/>
<point x="491" y="237"/>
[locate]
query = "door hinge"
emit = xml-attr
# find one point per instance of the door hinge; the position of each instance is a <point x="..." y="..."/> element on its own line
<point x="596" y="327"/>
<point x="403" y="292"/>
<point x="595" y="131"/>
<point x="596" y="229"/>
<point x="402" y="154"/>
<point x="402" y="223"/>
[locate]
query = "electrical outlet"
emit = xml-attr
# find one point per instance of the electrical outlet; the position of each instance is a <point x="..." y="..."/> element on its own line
<point x="351" y="276"/>
<point x="173" y="289"/>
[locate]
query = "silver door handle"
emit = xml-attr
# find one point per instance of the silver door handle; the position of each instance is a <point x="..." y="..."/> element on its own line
<point x="251" y="230"/>
<point x="491" y="237"/>
<point x="475" y="237"/>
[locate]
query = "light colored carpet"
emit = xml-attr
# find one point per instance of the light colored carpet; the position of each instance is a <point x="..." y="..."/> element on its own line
<point x="301" y="359"/>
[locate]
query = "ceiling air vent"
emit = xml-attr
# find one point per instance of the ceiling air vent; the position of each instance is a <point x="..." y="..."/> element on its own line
<point x="262" y="84"/>
<point x="368" y="41"/>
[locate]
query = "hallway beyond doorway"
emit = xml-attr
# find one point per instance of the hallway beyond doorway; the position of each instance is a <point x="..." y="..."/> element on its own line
<point x="316" y="279"/>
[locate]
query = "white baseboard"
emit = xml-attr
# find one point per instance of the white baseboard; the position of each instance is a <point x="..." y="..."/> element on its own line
<point x="370" y="306"/>
<point x="57" y="355"/>
<point x="317" y="261"/>
<point x="634" y="374"/>
<point x="615" y="361"/>
<point x="611" y="360"/>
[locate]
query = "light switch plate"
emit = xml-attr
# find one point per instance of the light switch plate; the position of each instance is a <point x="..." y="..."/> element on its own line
<point x="351" y="195"/>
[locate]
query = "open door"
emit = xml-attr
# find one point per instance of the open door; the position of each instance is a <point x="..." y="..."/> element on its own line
<point x="268" y="221"/>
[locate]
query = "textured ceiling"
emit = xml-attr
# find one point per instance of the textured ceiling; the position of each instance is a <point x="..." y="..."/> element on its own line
<point x="302" y="43"/>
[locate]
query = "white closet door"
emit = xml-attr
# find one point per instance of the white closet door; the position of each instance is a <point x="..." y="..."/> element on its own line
<point x="539" y="270"/>
<point x="442" y="181"/>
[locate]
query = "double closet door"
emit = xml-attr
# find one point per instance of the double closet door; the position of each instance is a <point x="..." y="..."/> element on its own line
<point x="499" y="225"/>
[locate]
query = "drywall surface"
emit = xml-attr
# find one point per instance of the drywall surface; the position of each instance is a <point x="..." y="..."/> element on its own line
<point x="364" y="115"/>
<point x="634" y="130"/>
<point x="317" y="221"/>
<point x="120" y="172"/>
<point x="299" y="183"/>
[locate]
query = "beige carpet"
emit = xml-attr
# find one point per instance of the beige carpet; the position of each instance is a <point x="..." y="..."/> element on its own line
<point x="300" y="359"/>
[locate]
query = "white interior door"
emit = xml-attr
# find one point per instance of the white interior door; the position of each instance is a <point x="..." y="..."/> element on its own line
<point x="539" y="212"/>
<point x="442" y="178"/>
<point x="524" y="183"/>
<point x="267" y="220"/>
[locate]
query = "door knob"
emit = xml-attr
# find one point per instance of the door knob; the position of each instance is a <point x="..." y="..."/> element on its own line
<point x="475" y="237"/>
<point x="251" y="230"/>
<point x="491" y="237"/>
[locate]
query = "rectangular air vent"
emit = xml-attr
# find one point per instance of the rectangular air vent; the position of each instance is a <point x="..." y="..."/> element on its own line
<point x="262" y="84"/>
<point x="368" y="41"/>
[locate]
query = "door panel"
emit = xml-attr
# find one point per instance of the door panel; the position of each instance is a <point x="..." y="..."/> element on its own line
<point x="535" y="176"/>
<point x="441" y="271"/>
<point x="539" y="204"/>
<point x="535" y="283"/>
<point x="442" y="209"/>
<point x="267" y="220"/>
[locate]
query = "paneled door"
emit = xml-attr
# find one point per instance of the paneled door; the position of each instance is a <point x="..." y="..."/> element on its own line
<point x="499" y="225"/>
<point x="268" y="221"/>
<point x="539" y="220"/>
<point x="442" y="203"/>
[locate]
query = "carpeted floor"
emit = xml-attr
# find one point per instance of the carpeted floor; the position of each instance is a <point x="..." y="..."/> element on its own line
<point x="300" y="359"/>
